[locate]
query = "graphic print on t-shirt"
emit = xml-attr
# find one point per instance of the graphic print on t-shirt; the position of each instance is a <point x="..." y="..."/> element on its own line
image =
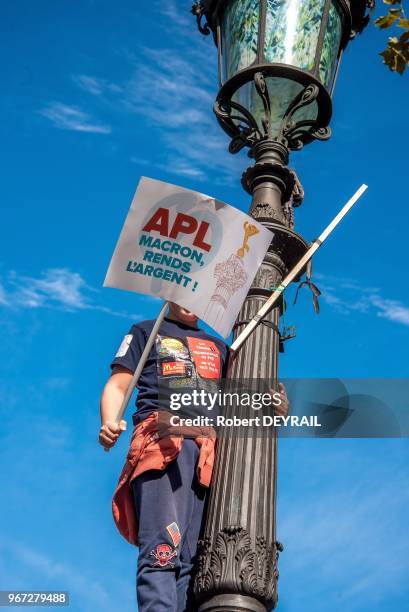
<point x="192" y="363"/>
<point x="174" y="368"/>
<point x="173" y="362"/>
<point x="206" y="357"/>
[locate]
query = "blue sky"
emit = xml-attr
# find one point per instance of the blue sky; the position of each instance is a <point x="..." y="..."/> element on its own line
<point x="96" y="94"/>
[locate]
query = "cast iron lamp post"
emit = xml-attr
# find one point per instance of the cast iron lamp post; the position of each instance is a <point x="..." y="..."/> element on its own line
<point x="278" y="62"/>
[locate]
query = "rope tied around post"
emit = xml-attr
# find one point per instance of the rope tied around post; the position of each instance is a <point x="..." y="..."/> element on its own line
<point x="313" y="288"/>
<point x="269" y="324"/>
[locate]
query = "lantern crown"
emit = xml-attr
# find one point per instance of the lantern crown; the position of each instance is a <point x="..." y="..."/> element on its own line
<point x="207" y="12"/>
<point x="278" y="63"/>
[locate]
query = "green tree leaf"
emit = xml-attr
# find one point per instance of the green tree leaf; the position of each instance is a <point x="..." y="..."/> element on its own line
<point x="396" y="54"/>
<point x="388" y="20"/>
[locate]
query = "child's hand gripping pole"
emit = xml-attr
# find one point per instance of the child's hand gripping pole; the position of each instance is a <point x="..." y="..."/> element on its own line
<point x="139" y="368"/>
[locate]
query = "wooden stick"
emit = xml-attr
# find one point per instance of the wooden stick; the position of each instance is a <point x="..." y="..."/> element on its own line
<point x="141" y="364"/>
<point x="267" y="306"/>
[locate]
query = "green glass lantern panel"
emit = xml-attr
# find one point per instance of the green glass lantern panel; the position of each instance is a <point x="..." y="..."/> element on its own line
<point x="282" y="93"/>
<point x="292" y="32"/>
<point x="240" y="35"/>
<point x="330" y="47"/>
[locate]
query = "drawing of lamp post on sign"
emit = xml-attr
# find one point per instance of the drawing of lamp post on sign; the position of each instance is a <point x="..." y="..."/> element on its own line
<point x="230" y="277"/>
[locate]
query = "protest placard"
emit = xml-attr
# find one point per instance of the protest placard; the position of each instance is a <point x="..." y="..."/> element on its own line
<point x="188" y="248"/>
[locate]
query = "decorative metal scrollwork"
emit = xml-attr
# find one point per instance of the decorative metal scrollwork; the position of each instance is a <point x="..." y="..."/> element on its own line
<point x="244" y="130"/>
<point x="198" y="11"/>
<point x="243" y="133"/>
<point x="262" y="90"/>
<point x="370" y="5"/>
<point x="233" y="562"/>
<point x="292" y="132"/>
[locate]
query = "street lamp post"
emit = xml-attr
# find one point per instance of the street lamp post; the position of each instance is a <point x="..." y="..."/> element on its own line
<point x="278" y="62"/>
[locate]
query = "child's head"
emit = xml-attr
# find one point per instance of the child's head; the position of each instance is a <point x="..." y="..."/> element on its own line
<point x="182" y="314"/>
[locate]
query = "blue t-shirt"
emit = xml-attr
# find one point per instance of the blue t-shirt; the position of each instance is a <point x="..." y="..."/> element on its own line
<point x="182" y="358"/>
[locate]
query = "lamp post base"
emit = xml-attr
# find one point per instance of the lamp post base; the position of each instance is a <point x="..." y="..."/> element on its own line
<point x="233" y="602"/>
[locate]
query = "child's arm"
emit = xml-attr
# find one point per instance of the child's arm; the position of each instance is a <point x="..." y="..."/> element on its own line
<point x="111" y="401"/>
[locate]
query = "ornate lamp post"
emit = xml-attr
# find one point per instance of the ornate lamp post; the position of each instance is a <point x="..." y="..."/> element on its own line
<point x="278" y="62"/>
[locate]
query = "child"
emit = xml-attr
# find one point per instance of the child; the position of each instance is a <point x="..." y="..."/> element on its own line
<point x="159" y="502"/>
<point x="169" y="480"/>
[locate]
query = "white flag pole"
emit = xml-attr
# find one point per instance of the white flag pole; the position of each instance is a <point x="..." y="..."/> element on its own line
<point x="267" y="306"/>
<point x="141" y="364"/>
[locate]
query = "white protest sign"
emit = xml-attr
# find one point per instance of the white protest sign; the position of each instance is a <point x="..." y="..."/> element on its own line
<point x="188" y="248"/>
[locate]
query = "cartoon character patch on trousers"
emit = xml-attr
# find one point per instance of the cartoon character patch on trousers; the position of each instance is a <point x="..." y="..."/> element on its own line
<point x="163" y="554"/>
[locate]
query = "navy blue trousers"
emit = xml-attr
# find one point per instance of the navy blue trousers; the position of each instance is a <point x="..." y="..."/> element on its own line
<point x="169" y="506"/>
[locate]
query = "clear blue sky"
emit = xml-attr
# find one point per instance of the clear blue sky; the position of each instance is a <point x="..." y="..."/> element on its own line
<point x="96" y="94"/>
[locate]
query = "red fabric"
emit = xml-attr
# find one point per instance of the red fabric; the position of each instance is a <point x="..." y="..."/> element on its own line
<point x="154" y="444"/>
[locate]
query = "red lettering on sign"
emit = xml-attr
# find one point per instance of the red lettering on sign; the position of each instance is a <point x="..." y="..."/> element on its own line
<point x="159" y="222"/>
<point x="184" y="224"/>
<point x="199" y="238"/>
